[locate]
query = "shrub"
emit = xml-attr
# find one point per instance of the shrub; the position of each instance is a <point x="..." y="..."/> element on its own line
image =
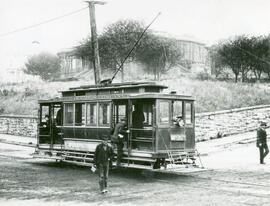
<point x="203" y="76"/>
<point x="28" y="92"/>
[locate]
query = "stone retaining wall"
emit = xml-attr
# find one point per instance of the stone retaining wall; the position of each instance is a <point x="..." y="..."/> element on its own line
<point x="21" y="125"/>
<point x="208" y="125"/>
<point x="222" y="123"/>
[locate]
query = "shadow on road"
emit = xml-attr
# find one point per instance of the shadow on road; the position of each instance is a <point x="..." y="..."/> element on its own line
<point x="123" y="173"/>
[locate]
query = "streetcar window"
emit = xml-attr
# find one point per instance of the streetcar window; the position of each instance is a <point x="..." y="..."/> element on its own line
<point x="79" y="114"/>
<point x="138" y="117"/>
<point x="188" y="112"/>
<point x="177" y="110"/>
<point x="148" y="114"/>
<point x="44" y="112"/>
<point x="164" y="112"/>
<point x="104" y="114"/>
<point x="68" y="114"/>
<point x="121" y="112"/>
<point x="91" y="109"/>
<point x="58" y="116"/>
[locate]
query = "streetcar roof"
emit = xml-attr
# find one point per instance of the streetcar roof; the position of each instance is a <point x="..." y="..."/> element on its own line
<point x="118" y="97"/>
<point x="98" y="87"/>
<point x="117" y="91"/>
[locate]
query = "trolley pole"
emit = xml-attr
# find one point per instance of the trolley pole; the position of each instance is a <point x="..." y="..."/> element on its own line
<point x="94" y="39"/>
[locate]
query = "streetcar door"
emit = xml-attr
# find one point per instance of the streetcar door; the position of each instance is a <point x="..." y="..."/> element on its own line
<point x="45" y="129"/>
<point x="120" y="113"/>
<point x="57" y="123"/>
<point x="189" y="124"/>
<point x="142" y="130"/>
<point x="171" y="133"/>
<point x="50" y="124"/>
<point x="178" y="125"/>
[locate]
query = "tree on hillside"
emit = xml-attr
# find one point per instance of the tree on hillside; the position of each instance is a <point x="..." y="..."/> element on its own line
<point x="260" y="61"/>
<point x="245" y="54"/>
<point x="242" y="48"/>
<point x="217" y="66"/>
<point x="236" y="54"/>
<point x="228" y="58"/>
<point x="157" y="53"/>
<point x="114" y="44"/>
<point x="45" y="65"/>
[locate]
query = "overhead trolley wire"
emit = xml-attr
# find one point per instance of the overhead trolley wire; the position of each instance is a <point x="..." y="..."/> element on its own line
<point x="43" y="22"/>
<point x="251" y="54"/>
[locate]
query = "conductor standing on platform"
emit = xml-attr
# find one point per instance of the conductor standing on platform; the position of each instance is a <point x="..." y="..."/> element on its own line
<point x="119" y="137"/>
<point x="262" y="142"/>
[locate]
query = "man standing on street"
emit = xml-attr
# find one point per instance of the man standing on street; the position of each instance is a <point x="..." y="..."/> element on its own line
<point x="103" y="155"/>
<point x="262" y="142"/>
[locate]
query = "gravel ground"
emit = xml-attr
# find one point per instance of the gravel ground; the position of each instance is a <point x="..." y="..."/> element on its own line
<point x="235" y="178"/>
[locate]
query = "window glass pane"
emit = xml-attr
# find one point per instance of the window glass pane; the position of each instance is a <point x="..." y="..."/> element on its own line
<point x="79" y="114"/>
<point x="104" y="114"/>
<point x="164" y="112"/>
<point x="121" y="112"/>
<point x="91" y="114"/>
<point x="58" y="115"/>
<point x="177" y="109"/>
<point x="177" y="112"/>
<point x="188" y="113"/>
<point x="44" y="112"/>
<point x="148" y="114"/>
<point x="138" y="117"/>
<point x="68" y="114"/>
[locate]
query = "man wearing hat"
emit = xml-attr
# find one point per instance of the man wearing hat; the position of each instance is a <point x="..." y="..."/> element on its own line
<point x="118" y="137"/>
<point x="261" y="142"/>
<point x="102" y="157"/>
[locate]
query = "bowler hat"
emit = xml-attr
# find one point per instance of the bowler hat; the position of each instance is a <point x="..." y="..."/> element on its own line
<point x="123" y="119"/>
<point x="105" y="138"/>
<point x="263" y="124"/>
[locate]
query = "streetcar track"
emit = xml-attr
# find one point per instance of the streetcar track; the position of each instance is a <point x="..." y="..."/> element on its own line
<point x="235" y="182"/>
<point x="129" y="195"/>
<point x="213" y="185"/>
<point x="209" y="187"/>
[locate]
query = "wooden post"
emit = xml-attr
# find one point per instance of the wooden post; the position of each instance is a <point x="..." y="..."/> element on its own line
<point x="94" y="39"/>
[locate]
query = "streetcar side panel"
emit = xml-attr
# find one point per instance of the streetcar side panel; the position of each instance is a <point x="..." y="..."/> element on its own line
<point x="175" y="126"/>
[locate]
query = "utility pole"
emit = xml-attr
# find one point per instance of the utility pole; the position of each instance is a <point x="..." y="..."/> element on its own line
<point x="94" y="39"/>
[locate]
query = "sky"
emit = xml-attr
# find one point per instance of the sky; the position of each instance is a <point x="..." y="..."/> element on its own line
<point x="207" y="21"/>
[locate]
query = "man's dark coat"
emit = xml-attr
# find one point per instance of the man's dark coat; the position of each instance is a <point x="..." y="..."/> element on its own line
<point x="261" y="137"/>
<point x="103" y="156"/>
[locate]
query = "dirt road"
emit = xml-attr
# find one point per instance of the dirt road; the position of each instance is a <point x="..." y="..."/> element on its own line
<point x="236" y="178"/>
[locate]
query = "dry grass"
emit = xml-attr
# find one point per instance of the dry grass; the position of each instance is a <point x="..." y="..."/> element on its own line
<point x="214" y="95"/>
<point x="22" y="98"/>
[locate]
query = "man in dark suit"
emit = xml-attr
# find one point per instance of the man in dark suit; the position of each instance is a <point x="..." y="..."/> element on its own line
<point x="262" y="142"/>
<point x="118" y="138"/>
<point x="103" y="155"/>
<point x="137" y="123"/>
<point x="137" y="117"/>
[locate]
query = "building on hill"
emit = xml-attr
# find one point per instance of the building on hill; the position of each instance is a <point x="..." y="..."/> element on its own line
<point x="195" y="59"/>
<point x="71" y="65"/>
<point x="196" y="56"/>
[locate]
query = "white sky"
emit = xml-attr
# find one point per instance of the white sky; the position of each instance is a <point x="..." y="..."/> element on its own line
<point x="205" y="20"/>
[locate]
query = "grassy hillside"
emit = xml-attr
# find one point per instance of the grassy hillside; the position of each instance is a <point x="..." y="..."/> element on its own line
<point x="214" y="95"/>
<point x="21" y="98"/>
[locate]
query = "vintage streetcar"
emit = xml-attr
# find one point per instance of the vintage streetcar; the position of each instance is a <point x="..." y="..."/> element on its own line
<point x="159" y="131"/>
